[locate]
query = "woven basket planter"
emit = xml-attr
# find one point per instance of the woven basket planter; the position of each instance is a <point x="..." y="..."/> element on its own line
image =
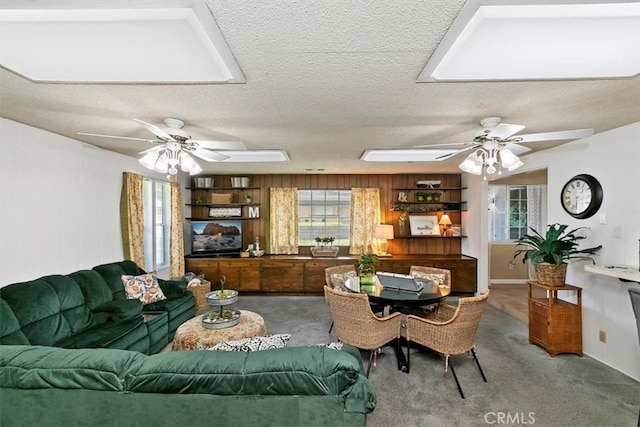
<point x="200" y="289"/>
<point x="551" y="274"/>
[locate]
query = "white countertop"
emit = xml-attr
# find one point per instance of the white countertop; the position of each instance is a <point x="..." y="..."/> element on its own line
<point x="619" y="271"/>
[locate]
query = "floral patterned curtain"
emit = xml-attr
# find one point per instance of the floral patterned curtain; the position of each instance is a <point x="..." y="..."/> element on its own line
<point x="176" y="241"/>
<point x="132" y="218"/>
<point x="283" y="221"/>
<point x="365" y="215"/>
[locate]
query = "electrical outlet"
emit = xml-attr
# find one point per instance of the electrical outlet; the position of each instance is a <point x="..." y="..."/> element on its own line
<point x="603" y="336"/>
<point x="512" y="265"/>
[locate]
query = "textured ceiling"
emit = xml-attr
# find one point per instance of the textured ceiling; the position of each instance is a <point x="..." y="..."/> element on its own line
<point x="326" y="80"/>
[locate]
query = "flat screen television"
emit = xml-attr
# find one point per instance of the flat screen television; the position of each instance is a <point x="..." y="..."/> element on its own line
<point x="216" y="237"/>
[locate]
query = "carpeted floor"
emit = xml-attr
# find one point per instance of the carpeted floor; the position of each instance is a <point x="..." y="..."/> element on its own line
<point x="525" y="385"/>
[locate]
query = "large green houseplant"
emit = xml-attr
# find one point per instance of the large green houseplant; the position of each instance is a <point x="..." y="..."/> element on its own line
<point x="550" y="252"/>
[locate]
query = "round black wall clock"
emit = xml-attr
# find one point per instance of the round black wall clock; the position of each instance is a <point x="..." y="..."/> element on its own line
<point x="581" y="196"/>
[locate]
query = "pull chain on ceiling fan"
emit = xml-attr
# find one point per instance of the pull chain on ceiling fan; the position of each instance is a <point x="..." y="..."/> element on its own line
<point x="175" y="148"/>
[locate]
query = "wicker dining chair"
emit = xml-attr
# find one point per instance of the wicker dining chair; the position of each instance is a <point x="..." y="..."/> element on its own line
<point x="450" y="331"/>
<point x="356" y="324"/>
<point x="335" y="277"/>
<point x="439" y="275"/>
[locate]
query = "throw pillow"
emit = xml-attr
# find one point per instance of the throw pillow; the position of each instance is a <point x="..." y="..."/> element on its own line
<point x="331" y="345"/>
<point x="438" y="278"/>
<point x="338" y="279"/>
<point x="144" y="287"/>
<point x="254" y="344"/>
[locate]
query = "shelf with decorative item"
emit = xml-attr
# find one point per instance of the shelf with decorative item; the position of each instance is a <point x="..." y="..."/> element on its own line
<point x="454" y="206"/>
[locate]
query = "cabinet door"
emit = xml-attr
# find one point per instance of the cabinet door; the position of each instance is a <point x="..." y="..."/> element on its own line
<point x="282" y="276"/>
<point x="538" y="323"/>
<point x="207" y="267"/>
<point x="241" y="274"/>
<point x="463" y="274"/>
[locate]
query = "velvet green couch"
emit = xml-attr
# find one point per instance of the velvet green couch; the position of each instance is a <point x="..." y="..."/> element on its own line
<point x="296" y="386"/>
<point x="89" y="309"/>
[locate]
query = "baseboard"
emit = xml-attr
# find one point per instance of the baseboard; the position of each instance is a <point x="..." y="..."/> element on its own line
<point x="508" y="281"/>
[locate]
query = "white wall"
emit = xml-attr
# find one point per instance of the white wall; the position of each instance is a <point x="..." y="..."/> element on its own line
<point x="612" y="157"/>
<point x="59" y="203"/>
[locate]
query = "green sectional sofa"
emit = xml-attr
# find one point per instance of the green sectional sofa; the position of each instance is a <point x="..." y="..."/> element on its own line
<point x="89" y="309"/>
<point x="76" y="352"/>
<point x="296" y="386"/>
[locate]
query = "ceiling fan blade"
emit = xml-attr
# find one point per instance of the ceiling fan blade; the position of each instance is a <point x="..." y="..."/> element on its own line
<point x="504" y="130"/>
<point x="455" y="153"/>
<point x="157" y="148"/>
<point x="517" y="149"/>
<point x="209" y="156"/>
<point x="156" y="131"/>
<point x="219" y="145"/>
<point x="119" y="137"/>
<point x="555" y="136"/>
<point x="450" y="144"/>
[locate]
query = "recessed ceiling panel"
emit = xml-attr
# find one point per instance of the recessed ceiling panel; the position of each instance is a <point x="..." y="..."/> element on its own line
<point x="405" y="155"/>
<point x="535" y="41"/>
<point x="124" y="45"/>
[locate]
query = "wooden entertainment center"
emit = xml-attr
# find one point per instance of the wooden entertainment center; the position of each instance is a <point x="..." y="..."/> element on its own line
<point x="401" y="196"/>
<point x="300" y="274"/>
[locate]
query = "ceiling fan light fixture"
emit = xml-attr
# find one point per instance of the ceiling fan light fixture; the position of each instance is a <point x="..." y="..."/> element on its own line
<point x="472" y="164"/>
<point x="508" y="160"/>
<point x="162" y="164"/>
<point x="149" y="160"/>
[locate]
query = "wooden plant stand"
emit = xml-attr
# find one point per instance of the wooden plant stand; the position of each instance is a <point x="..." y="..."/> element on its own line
<point x="555" y="324"/>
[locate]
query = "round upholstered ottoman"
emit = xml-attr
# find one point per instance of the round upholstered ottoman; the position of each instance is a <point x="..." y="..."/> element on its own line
<point x="191" y="335"/>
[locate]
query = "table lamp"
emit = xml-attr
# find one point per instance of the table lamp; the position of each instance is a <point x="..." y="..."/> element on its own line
<point x="445" y="222"/>
<point x="380" y="245"/>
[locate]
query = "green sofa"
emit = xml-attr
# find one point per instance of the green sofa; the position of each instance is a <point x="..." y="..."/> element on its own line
<point x="89" y="309"/>
<point x="296" y="386"/>
<point x="77" y="352"/>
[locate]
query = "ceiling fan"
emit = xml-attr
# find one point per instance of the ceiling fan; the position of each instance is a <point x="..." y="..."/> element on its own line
<point x="174" y="146"/>
<point x="494" y="144"/>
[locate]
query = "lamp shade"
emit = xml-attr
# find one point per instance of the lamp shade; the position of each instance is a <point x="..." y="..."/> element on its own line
<point x="149" y="160"/>
<point x="509" y="160"/>
<point x="472" y="164"/>
<point x="384" y="231"/>
<point x="445" y="220"/>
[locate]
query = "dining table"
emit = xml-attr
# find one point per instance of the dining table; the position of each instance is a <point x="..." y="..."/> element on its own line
<point x="405" y="302"/>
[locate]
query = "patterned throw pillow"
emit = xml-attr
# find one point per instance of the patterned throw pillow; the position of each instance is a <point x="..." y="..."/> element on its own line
<point x="438" y="278"/>
<point x="338" y="279"/>
<point x="331" y="345"/>
<point x="254" y="344"/>
<point x="144" y="287"/>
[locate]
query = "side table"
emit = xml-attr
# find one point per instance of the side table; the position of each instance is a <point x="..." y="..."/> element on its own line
<point x="555" y="324"/>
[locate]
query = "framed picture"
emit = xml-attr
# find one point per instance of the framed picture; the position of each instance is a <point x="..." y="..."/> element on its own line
<point x="424" y="225"/>
<point x="456" y="231"/>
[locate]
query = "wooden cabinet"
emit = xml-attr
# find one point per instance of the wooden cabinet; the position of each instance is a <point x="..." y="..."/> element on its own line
<point x="555" y="324"/>
<point x="299" y="274"/>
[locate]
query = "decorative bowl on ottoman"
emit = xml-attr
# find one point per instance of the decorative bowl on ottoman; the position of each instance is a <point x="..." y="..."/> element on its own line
<point x="222" y="297"/>
<point x="220" y="319"/>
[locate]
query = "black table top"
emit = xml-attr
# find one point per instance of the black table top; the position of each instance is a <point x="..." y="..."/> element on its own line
<point x="378" y="294"/>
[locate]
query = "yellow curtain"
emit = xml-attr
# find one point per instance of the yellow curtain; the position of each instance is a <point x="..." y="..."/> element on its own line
<point x="283" y="221"/>
<point x="176" y="241"/>
<point x="132" y="218"/>
<point x="365" y="215"/>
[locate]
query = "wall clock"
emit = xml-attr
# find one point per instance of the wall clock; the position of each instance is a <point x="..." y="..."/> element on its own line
<point x="581" y="196"/>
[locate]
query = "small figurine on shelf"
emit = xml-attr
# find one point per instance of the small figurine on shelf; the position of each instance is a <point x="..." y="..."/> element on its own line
<point x="402" y="196"/>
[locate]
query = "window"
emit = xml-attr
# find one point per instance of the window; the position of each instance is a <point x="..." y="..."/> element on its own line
<point x="323" y="213"/>
<point x="515" y="208"/>
<point x="157" y="223"/>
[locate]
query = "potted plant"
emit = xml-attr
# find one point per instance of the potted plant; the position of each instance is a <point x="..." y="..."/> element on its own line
<point x="366" y="269"/>
<point x="550" y="252"/>
<point x="421" y="196"/>
<point x="324" y="247"/>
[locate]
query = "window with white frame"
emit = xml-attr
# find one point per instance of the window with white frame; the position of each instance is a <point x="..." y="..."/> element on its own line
<point x="324" y="213"/>
<point x="157" y="223"/>
<point x="514" y="209"/>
